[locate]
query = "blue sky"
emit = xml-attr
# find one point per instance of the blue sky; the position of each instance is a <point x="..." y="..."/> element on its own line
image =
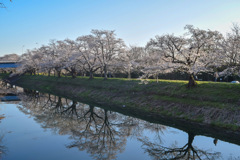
<point x="27" y="24"/>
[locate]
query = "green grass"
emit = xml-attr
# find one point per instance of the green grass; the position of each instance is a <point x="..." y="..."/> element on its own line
<point x="3" y="75"/>
<point x="212" y="94"/>
<point x="223" y="125"/>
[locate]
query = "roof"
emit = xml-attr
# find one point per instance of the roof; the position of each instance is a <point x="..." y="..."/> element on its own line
<point x="9" y="98"/>
<point x="8" y="61"/>
<point x="8" y="65"/>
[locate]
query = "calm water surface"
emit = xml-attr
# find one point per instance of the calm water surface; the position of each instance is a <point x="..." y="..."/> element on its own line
<point x="43" y="126"/>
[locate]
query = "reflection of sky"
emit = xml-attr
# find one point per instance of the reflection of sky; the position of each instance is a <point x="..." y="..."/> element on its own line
<point x="172" y="135"/>
<point x="225" y="148"/>
<point x="133" y="150"/>
<point x="25" y="139"/>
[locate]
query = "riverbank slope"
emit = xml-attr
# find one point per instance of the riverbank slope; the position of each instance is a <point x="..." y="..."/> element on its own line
<point x="215" y="104"/>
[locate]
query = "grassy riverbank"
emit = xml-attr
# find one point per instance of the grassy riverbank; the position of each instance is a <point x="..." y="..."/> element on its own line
<point x="210" y="103"/>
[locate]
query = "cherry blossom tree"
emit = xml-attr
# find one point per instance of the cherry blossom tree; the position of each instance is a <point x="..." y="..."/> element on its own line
<point x="107" y="47"/>
<point x="58" y="54"/>
<point x="191" y="53"/>
<point x="153" y="64"/>
<point x="88" y="57"/>
<point x="48" y="57"/>
<point x="131" y="59"/>
<point x="69" y="56"/>
<point x="30" y="62"/>
<point x="230" y="50"/>
<point x="102" y="52"/>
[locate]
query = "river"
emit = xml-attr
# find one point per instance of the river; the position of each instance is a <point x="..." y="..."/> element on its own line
<point x="39" y="126"/>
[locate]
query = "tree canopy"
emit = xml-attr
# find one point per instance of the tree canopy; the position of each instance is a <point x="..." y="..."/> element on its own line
<point x="101" y="52"/>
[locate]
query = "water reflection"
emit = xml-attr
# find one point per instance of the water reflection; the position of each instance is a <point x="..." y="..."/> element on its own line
<point x="102" y="133"/>
<point x="188" y="151"/>
<point x="8" y="92"/>
<point x="2" y="147"/>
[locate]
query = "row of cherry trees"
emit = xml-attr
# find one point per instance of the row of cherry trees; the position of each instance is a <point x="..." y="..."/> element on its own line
<point x="102" y="52"/>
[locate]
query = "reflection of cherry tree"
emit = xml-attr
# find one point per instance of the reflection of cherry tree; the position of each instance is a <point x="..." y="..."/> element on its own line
<point x="71" y="110"/>
<point x="102" y="137"/>
<point x="102" y="133"/>
<point x="188" y="151"/>
<point x="99" y="132"/>
<point x="7" y="90"/>
<point x="58" y="108"/>
<point x="2" y="148"/>
<point x="157" y="129"/>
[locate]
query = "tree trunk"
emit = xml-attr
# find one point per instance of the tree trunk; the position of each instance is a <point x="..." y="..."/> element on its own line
<point x="49" y="72"/>
<point x="74" y="74"/>
<point x="129" y="73"/>
<point x="91" y="75"/>
<point x="105" y="72"/>
<point x="59" y="74"/>
<point x="190" y="139"/>
<point x="191" y="82"/>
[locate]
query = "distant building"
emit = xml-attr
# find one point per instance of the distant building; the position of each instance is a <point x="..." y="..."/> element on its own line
<point x="7" y="66"/>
